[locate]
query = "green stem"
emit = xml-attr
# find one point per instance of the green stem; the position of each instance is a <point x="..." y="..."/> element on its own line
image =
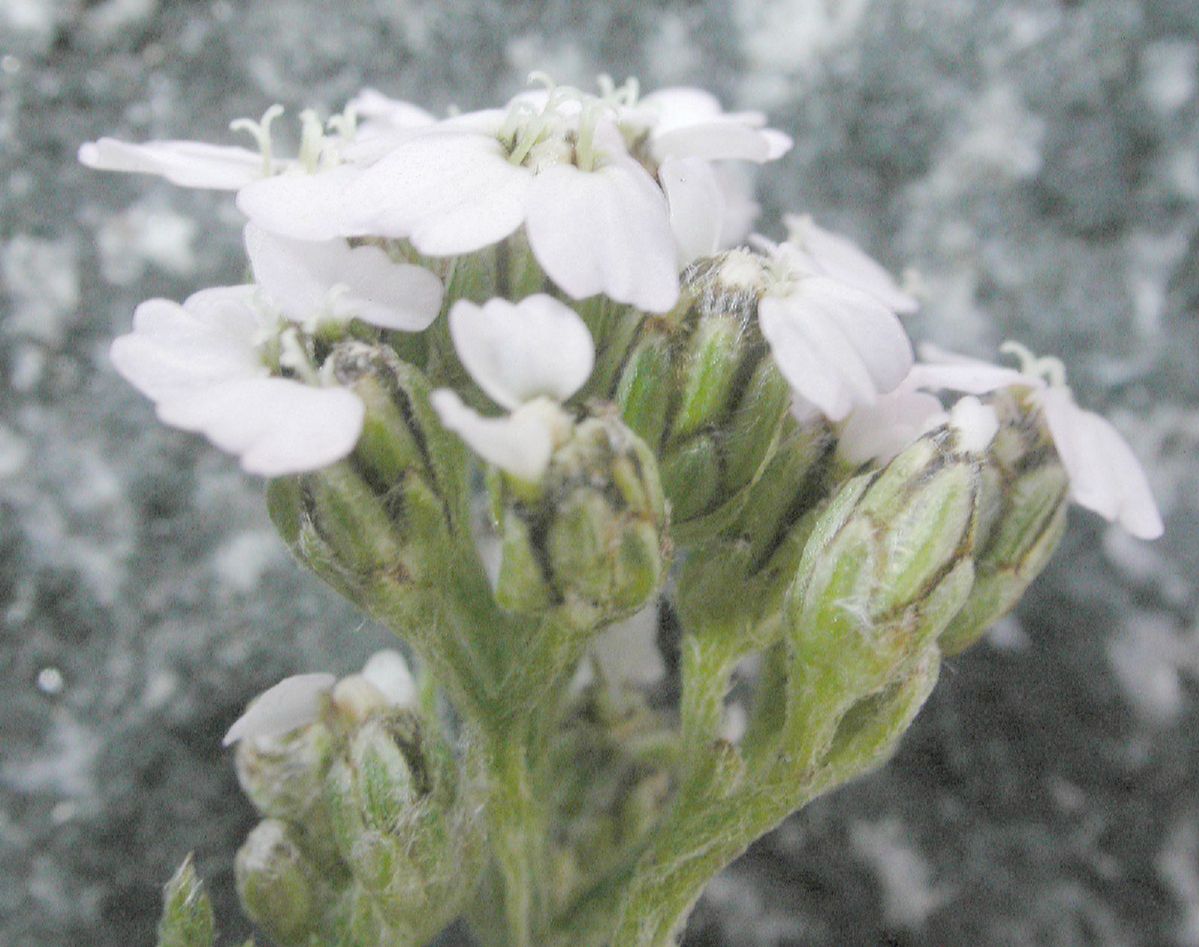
<point x="516" y="831"/>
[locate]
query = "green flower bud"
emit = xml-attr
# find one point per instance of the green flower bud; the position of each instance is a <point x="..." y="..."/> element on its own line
<point x="409" y="841"/>
<point x="187" y="919"/>
<point x="277" y="886"/>
<point x="592" y="537"/>
<point x="390" y="514"/>
<point x="886" y="567"/>
<point x="284" y="776"/>
<point x="1023" y="507"/>
<point x="699" y="386"/>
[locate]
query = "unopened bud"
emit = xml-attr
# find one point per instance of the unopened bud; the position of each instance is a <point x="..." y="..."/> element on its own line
<point x="700" y="387"/>
<point x="594" y="536"/>
<point x="886" y="567"/>
<point x="187" y="919"/>
<point x="284" y="776"/>
<point x="1022" y="517"/>
<point x="372" y="517"/>
<point x="277" y="885"/>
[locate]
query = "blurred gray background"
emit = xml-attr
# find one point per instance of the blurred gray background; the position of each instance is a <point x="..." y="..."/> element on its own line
<point x="1037" y="161"/>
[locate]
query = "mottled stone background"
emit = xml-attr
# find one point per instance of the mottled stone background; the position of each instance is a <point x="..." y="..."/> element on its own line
<point x="1037" y="161"/>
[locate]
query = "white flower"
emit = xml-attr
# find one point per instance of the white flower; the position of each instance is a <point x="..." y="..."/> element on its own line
<point x="295" y="702"/>
<point x="292" y="703"/>
<point x="528" y="357"/>
<point x="838" y="257"/>
<point x="1105" y="476"/>
<point x="839" y="348"/>
<point x="596" y="221"/>
<point x="308" y="279"/>
<point x="201" y="365"/>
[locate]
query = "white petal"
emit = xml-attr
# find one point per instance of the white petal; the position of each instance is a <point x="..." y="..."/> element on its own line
<point x="976" y="424"/>
<point x="605" y="231"/>
<point x="975" y="378"/>
<point x="740" y="208"/>
<point x="811" y="375"/>
<point x="679" y="106"/>
<point x="302" y="206"/>
<point x="373" y="106"/>
<point x="300" y="275"/>
<point x="388" y="671"/>
<point x="186" y="163"/>
<point x="537" y="347"/>
<point x="837" y="347"/>
<point x="696" y="206"/>
<point x="176" y="349"/>
<point x="277" y="426"/>
<point x="841" y="259"/>
<point x="881" y="430"/>
<point x="449" y="192"/>
<point x="715" y="140"/>
<point x="292" y="703"/>
<point x="1105" y="475"/>
<point x="520" y="443"/>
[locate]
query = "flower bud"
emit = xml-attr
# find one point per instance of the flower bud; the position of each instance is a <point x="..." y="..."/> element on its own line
<point x="284" y="776"/>
<point x="278" y="887"/>
<point x="1022" y="516"/>
<point x="593" y="535"/>
<point x="376" y="516"/>
<point x="699" y="386"/>
<point x="886" y="567"/>
<point x="187" y="919"/>
<point x="400" y="826"/>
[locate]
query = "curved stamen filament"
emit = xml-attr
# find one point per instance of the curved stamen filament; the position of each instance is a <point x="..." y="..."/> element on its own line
<point x="1047" y="367"/>
<point x="261" y="132"/>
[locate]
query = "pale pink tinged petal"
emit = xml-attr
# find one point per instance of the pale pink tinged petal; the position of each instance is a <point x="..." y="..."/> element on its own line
<point x="538" y="347"/>
<point x="696" y="206"/>
<point x="881" y="430"/>
<point x="448" y="192"/>
<point x="841" y="259"/>
<point x="519" y="444"/>
<point x="389" y="673"/>
<point x="605" y="231"/>
<point x="809" y="374"/>
<point x="876" y="334"/>
<point x="714" y="140"/>
<point x="302" y="206"/>
<point x="292" y="703"/>
<point x="299" y="275"/>
<point x="277" y="426"/>
<point x="1105" y="476"/>
<point x="186" y="163"/>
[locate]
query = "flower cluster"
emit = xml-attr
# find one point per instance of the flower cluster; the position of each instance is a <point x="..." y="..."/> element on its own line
<point x="563" y="294"/>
